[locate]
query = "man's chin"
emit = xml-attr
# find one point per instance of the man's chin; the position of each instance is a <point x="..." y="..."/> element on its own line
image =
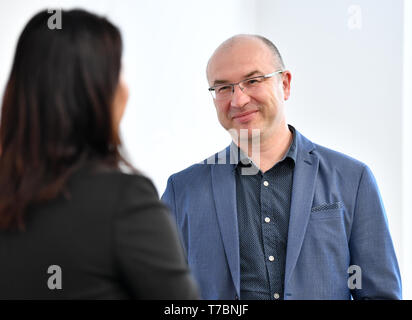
<point x="244" y="133"/>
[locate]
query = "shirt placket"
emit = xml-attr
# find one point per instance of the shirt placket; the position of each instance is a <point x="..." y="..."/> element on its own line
<point x="269" y="245"/>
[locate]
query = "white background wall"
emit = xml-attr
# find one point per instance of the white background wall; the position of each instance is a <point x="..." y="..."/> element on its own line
<point x="349" y="86"/>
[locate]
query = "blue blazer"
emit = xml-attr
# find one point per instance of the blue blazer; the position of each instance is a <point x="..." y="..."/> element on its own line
<point x="337" y="220"/>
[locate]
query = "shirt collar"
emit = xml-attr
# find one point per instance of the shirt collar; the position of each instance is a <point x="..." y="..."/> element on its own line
<point x="244" y="161"/>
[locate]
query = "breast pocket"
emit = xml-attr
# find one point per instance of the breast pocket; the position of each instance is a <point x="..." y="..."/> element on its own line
<point x="327" y="211"/>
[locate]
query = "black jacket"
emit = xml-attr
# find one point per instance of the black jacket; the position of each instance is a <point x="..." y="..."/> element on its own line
<point x="110" y="236"/>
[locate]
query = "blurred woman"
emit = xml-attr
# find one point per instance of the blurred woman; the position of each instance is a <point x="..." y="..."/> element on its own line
<point x="72" y="224"/>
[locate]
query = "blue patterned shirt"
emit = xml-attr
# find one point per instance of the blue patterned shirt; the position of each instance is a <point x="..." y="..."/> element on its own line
<point x="263" y="210"/>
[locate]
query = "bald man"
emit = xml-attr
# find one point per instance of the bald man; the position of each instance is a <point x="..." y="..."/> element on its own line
<point x="274" y="215"/>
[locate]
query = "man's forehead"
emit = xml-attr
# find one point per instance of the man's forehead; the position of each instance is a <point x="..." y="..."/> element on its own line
<point x="239" y="56"/>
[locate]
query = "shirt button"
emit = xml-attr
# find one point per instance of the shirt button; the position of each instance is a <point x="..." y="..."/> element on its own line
<point x="271" y="258"/>
<point x="267" y="219"/>
<point x="265" y="183"/>
<point x="276" y="296"/>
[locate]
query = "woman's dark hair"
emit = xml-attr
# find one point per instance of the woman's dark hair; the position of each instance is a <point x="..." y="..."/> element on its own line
<point x="57" y="109"/>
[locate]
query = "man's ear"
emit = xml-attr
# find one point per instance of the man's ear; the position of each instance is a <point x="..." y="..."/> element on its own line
<point x="286" y="79"/>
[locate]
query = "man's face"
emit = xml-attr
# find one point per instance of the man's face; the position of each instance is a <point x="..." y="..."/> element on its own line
<point x="244" y="58"/>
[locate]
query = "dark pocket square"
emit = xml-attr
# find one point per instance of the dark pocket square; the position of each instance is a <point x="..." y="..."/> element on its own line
<point x="327" y="206"/>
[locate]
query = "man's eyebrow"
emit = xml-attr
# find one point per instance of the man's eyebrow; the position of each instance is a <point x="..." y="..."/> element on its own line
<point x="250" y="74"/>
<point x="254" y="73"/>
<point x="217" y="82"/>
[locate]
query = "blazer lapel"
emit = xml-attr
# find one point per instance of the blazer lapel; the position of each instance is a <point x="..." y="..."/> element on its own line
<point x="303" y="189"/>
<point x="224" y="192"/>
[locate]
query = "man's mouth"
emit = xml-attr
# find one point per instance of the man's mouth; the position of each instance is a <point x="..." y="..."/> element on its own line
<point x="245" y="116"/>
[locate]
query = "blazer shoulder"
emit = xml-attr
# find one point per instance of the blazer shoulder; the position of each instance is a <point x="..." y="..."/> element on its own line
<point x="331" y="161"/>
<point x="197" y="177"/>
<point x="189" y="176"/>
<point x="338" y="160"/>
<point x="199" y="170"/>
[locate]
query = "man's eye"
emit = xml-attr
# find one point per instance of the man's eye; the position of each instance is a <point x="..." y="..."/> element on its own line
<point x="253" y="81"/>
<point x="223" y="89"/>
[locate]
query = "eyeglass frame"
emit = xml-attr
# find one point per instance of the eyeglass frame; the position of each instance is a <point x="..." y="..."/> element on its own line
<point x="265" y="76"/>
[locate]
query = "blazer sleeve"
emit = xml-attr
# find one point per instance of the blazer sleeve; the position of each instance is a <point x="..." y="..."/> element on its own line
<point x="147" y="248"/>
<point x="371" y="245"/>
<point x="168" y="196"/>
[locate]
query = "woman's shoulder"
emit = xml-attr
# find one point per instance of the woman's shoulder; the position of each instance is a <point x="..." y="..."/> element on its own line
<point x="100" y="178"/>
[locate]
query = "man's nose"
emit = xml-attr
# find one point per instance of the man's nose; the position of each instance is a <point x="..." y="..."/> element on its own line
<point x="239" y="97"/>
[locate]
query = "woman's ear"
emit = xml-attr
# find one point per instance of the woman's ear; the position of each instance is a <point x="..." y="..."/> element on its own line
<point x="120" y="101"/>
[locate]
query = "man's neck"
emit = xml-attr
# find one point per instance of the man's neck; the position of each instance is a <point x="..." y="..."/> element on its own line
<point x="272" y="148"/>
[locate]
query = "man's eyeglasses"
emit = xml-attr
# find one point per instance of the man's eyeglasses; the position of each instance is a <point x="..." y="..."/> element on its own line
<point x="248" y="86"/>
